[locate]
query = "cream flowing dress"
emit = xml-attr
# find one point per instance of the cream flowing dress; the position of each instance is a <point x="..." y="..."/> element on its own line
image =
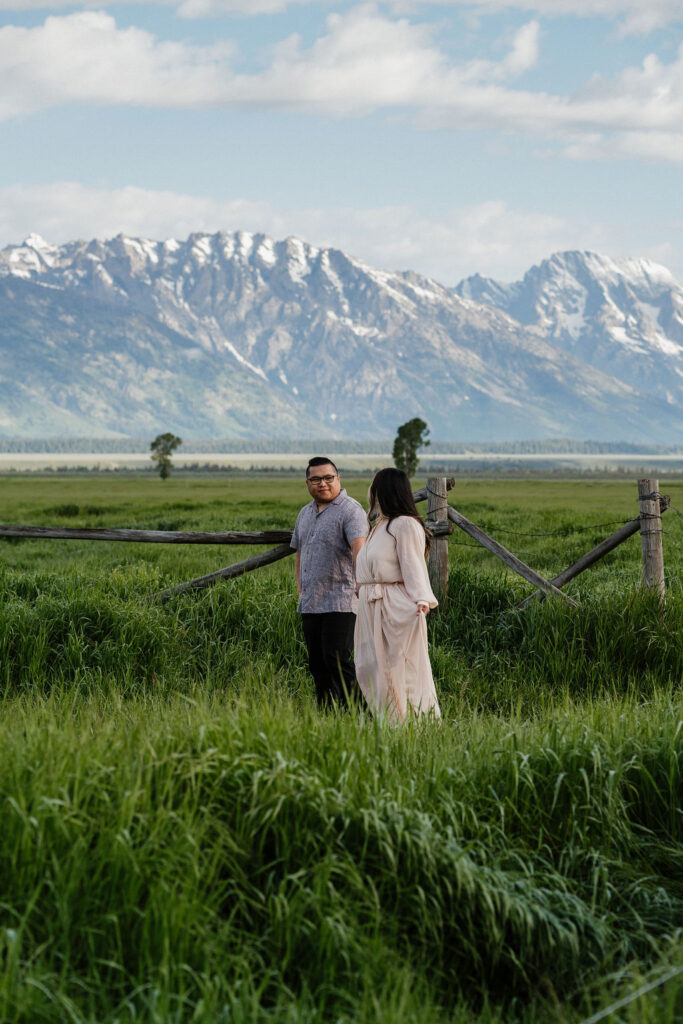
<point x="391" y="654"/>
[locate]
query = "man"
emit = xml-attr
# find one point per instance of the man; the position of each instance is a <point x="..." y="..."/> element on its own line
<point x="328" y="535"/>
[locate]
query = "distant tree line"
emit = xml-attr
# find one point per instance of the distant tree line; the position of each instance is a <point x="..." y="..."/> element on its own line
<point x="122" y="445"/>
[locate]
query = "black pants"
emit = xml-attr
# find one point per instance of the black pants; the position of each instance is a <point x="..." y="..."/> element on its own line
<point x="329" y="639"/>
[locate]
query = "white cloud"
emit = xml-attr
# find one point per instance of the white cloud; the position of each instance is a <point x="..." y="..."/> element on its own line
<point x="654" y="147"/>
<point x="488" y="237"/>
<point x="67" y="210"/>
<point x="85" y="57"/>
<point x="185" y="8"/>
<point x="524" y="53"/>
<point x="364" y="61"/>
<point x="636" y="17"/>
<point x="214" y="8"/>
<point x="522" y="57"/>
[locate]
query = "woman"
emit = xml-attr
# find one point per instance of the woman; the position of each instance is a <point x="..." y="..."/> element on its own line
<point x="392" y="660"/>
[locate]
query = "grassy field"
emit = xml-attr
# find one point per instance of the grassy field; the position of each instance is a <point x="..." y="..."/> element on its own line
<point x="185" y="838"/>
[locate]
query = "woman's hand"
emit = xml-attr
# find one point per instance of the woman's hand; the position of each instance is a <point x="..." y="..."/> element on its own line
<point x="423" y="609"/>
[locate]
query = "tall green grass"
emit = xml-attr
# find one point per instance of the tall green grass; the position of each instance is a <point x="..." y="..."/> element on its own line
<point x="185" y="838"/>
<point x="163" y="860"/>
<point x="56" y="628"/>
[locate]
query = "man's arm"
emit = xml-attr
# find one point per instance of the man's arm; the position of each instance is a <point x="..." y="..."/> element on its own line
<point x="356" y="530"/>
<point x="297" y="562"/>
<point x="355" y="546"/>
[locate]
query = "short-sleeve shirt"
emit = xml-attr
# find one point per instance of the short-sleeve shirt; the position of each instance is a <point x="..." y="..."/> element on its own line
<point x="323" y="538"/>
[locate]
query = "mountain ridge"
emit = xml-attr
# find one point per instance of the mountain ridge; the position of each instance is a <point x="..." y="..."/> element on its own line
<point x="625" y="317"/>
<point x="236" y="334"/>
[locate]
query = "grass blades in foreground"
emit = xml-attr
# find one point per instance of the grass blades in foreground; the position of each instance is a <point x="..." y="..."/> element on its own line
<point x="197" y="860"/>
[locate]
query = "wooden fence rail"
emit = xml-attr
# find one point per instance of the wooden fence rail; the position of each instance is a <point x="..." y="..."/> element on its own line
<point x="440" y="518"/>
<point x="150" y="536"/>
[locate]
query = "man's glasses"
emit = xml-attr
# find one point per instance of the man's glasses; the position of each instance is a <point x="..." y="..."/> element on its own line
<point x="321" y="479"/>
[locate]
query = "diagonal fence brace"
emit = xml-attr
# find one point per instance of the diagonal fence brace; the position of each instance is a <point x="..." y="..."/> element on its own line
<point x="530" y="575"/>
<point x="598" y="552"/>
<point x="237" y="569"/>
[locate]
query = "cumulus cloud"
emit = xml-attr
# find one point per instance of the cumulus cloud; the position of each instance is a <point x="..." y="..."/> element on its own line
<point x="635" y="17"/>
<point x="85" y="57"/>
<point x="68" y="210"/>
<point x="185" y="8"/>
<point x="647" y="98"/>
<point x="363" y="61"/>
<point x="488" y="237"/>
<point x="204" y="8"/>
<point x="652" y="147"/>
<point x="524" y="53"/>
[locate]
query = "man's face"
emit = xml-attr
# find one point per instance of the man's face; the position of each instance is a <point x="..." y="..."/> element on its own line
<point x="323" y="483"/>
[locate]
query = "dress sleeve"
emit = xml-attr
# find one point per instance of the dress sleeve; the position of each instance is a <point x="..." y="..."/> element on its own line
<point x="410" y="546"/>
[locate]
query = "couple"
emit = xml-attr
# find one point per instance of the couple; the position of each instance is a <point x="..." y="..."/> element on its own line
<point x="390" y="590"/>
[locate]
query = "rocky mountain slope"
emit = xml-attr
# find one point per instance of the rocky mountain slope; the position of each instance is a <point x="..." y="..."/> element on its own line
<point x="622" y="317"/>
<point x="234" y="334"/>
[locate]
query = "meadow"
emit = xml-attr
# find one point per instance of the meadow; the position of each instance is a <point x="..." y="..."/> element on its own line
<point x="187" y="839"/>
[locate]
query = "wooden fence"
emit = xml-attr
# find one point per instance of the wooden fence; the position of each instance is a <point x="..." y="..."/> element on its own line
<point x="441" y="520"/>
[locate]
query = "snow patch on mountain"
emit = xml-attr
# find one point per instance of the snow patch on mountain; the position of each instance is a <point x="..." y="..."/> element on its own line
<point x="245" y="362"/>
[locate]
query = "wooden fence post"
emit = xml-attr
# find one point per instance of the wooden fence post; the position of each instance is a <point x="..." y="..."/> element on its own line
<point x="651" y="536"/>
<point x="595" y="554"/>
<point x="437" y="511"/>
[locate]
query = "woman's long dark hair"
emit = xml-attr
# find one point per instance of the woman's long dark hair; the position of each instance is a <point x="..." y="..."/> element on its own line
<point x="391" y="494"/>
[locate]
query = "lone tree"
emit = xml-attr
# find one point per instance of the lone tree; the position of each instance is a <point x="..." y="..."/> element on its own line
<point x="162" y="447"/>
<point x="411" y="436"/>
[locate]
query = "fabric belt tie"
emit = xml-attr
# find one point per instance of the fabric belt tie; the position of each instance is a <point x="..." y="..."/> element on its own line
<point x="375" y="591"/>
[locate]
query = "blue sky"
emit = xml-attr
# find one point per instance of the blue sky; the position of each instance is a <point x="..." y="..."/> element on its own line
<point x="449" y="138"/>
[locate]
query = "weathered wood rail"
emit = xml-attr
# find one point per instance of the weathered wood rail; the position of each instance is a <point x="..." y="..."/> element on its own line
<point x="150" y="536"/>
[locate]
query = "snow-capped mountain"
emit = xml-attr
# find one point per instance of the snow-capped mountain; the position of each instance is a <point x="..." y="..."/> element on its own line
<point x="234" y="334"/>
<point x="623" y="317"/>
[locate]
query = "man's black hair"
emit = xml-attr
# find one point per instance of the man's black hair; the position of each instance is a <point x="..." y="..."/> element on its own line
<point x="320" y="460"/>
